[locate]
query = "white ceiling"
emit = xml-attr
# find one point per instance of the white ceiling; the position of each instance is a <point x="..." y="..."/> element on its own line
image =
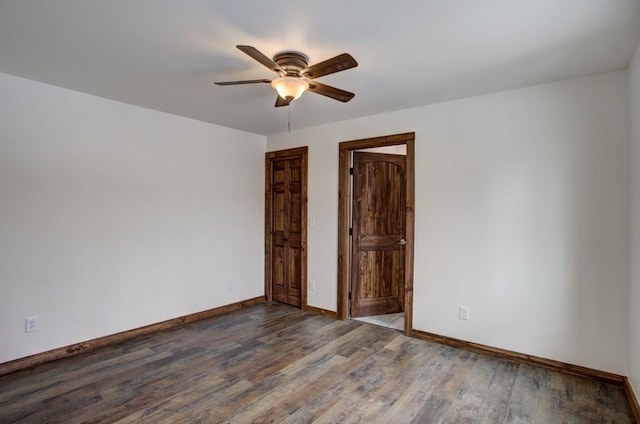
<point x="166" y="54"/>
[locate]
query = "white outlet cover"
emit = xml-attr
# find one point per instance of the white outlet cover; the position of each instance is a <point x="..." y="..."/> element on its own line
<point x="463" y="312"/>
<point x="30" y="324"/>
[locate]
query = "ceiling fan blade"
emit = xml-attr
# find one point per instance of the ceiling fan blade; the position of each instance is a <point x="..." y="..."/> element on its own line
<point x="330" y="66"/>
<point x="258" y="81"/>
<point x="260" y="57"/>
<point x="327" y="90"/>
<point x="282" y="102"/>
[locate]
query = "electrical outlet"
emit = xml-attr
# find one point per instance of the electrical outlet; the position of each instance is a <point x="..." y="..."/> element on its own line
<point x="30" y="324"/>
<point x="312" y="285"/>
<point x="463" y="312"/>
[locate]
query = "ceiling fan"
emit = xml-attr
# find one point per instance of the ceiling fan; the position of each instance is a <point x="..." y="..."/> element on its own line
<point x="295" y="76"/>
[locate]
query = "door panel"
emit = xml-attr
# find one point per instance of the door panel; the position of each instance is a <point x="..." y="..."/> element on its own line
<point x="378" y="233"/>
<point x="277" y="269"/>
<point x="294" y="286"/>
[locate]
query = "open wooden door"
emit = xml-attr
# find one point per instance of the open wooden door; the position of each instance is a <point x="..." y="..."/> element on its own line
<point x="378" y="244"/>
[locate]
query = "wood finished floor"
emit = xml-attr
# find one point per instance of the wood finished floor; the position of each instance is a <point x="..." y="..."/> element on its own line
<point x="276" y="364"/>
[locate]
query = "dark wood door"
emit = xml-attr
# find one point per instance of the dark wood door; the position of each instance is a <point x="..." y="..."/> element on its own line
<point x="287" y="235"/>
<point x="378" y="245"/>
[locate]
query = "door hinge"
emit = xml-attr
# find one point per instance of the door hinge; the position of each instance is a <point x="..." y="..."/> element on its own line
<point x="350" y="231"/>
<point x="350" y="171"/>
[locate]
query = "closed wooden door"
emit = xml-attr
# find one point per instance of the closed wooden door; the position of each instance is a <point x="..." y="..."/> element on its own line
<point x="378" y="244"/>
<point x="287" y="235"/>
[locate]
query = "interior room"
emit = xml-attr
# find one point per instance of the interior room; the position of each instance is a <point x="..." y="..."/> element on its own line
<point x="136" y="198"/>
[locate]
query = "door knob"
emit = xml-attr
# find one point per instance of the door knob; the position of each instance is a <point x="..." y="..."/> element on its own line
<point x="402" y="242"/>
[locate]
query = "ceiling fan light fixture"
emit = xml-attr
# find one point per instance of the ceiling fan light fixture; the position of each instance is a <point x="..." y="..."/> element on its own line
<point x="295" y="76"/>
<point x="290" y="88"/>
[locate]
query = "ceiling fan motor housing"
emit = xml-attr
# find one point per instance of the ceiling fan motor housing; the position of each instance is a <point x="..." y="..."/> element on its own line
<point x="291" y="62"/>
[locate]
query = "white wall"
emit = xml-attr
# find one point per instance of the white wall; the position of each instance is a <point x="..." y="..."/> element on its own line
<point x="114" y="216"/>
<point x="634" y="296"/>
<point x="522" y="214"/>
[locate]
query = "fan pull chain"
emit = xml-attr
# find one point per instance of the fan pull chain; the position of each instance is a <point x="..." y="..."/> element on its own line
<point x="289" y="121"/>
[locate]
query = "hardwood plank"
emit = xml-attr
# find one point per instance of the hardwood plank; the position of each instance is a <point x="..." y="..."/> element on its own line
<point x="526" y="393"/>
<point x="362" y="373"/>
<point x="357" y="388"/>
<point x="421" y="388"/>
<point x="456" y="374"/>
<point x="314" y="399"/>
<point x="434" y="410"/>
<point x="470" y="400"/>
<point x="583" y="399"/>
<point x="498" y="394"/>
<point x="78" y="379"/>
<point x="89" y="345"/>
<point x="524" y="358"/>
<point x="392" y="381"/>
<point x="633" y="399"/>
<point x="275" y="363"/>
<point x="263" y="405"/>
<point x="179" y="406"/>
<point x="400" y="375"/>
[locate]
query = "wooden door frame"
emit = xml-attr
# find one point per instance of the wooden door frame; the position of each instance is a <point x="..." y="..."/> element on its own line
<point x="303" y="153"/>
<point x="345" y="150"/>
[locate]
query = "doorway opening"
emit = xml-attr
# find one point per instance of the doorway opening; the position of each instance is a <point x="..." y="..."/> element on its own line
<point x="376" y="230"/>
